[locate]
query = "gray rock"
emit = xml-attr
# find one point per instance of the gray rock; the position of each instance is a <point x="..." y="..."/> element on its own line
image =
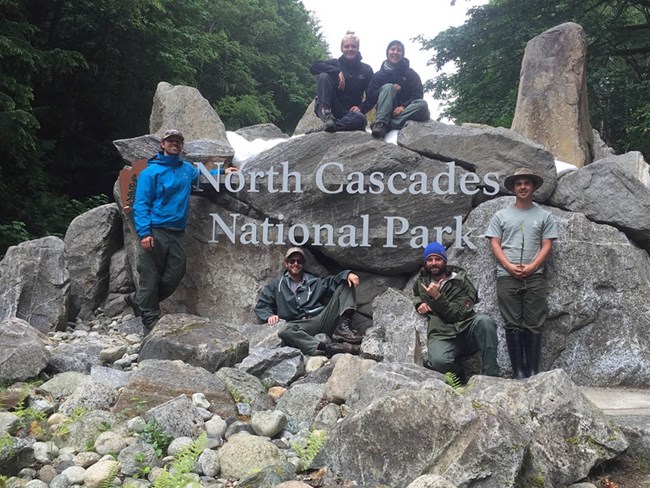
<point x="208" y="152"/>
<point x="156" y="382"/>
<point x="274" y="366"/>
<point x="44" y="452"/>
<point x="47" y="473"/>
<point x="16" y="454"/>
<point x="177" y="445"/>
<point x="23" y="354"/>
<point x="86" y="458"/>
<point x="261" y="131"/>
<point x="109" y="443"/>
<point x="601" y="150"/>
<point x="111" y="376"/>
<point x="83" y="431"/>
<point x="300" y="403"/>
<point x="8" y="423"/>
<point x="177" y="417"/>
<point x="120" y="279"/>
<point x="614" y="191"/>
<point x="136" y="148"/>
<point x="36" y="484"/>
<point x="245" y="387"/>
<point x="552" y="107"/>
<point x="244" y="453"/>
<point x="82" y="353"/>
<point x="492" y="153"/>
<point x="209" y="463"/>
<point x="269" y="423"/>
<point x="90" y="396"/>
<point x="347" y="371"/>
<point x="272" y="476"/>
<point x="112" y="354"/>
<point x="197" y="341"/>
<point x="430" y="481"/>
<point x="326" y="164"/>
<point x="583" y="304"/>
<point x="75" y="474"/>
<point x="34" y="283"/>
<point x="383" y="378"/>
<point x="237" y="427"/>
<point x="90" y="241"/>
<point x="308" y="121"/>
<point x="101" y="473"/>
<point x="60" y="481"/>
<point x="216" y="426"/>
<point x="636" y="430"/>
<point x="183" y="108"/>
<point x="64" y="384"/>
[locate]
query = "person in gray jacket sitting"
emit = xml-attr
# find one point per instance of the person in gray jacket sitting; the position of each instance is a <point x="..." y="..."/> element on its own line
<point x="300" y="300"/>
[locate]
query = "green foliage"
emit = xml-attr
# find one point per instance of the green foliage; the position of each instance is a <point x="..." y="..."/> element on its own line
<point x="179" y="471"/>
<point x="454" y="381"/>
<point x="236" y="395"/>
<point x="104" y="426"/>
<point x="315" y="442"/>
<point x="7" y="442"/>
<point x="113" y="471"/>
<point x="143" y="467"/>
<point x="488" y="49"/>
<point x="27" y="415"/>
<point x="158" y="439"/>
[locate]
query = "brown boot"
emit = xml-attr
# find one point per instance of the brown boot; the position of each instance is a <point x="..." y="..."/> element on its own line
<point x="344" y="332"/>
<point x="341" y="348"/>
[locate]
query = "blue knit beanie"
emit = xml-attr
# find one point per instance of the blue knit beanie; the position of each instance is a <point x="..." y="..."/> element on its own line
<point x="435" y="248"/>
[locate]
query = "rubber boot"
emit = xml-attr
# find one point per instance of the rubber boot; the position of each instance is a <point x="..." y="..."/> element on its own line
<point x="515" y="342"/>
<point x="533" y="346"/>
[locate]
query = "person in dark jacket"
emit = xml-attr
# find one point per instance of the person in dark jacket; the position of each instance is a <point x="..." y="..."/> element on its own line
<point x="397" y="91"/>
<point x="160" y="212"/>
<point x="340" y="87"/>
<point x="447" y="297"/>
<point x="299" y="298"/>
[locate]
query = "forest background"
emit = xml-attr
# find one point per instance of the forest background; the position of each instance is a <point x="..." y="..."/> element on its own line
<point x="77" y="74"/>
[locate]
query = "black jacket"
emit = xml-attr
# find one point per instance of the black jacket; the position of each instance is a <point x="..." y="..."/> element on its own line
<point x="408" y="80"/>
<point x="357" y="77"/>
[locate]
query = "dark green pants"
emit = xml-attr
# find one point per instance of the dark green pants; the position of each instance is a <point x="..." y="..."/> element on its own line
<point x="445" y="355"/>
<point x="523" y="304"/>
<point x="416" y="110"/>
<point x="300" y="333"/>
<point x="161" y="271"/>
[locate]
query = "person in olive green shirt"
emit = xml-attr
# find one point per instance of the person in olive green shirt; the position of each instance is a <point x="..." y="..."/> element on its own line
<point x="447" y="297"/>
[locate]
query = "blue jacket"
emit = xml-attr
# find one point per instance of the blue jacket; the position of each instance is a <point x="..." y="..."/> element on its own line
<point x="162" y="194"/>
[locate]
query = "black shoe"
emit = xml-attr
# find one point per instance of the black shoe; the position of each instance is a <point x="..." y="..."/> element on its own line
<point x="341" y="348"/>
<point x="379" y="130"/>
<point x="329" y="124"/>
<point x="130" y="301"/>
<point x="515" y="342"/>
<point x="532" y="346"/>
<point x="344" y="332"/>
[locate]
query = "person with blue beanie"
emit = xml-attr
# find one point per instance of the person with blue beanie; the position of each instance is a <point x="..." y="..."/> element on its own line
<point x="446" y="296"/>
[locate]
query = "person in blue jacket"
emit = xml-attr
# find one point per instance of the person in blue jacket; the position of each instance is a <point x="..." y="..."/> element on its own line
<point x="397" y="91"/>
<point x="340" y="87"/>
<point x="161" y="210"/>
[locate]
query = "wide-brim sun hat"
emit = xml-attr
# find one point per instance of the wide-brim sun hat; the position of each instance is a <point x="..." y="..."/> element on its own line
<point x="509" y="183"/>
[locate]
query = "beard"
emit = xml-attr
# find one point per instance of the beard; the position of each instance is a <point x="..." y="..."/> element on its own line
<point x="437" y="271"/>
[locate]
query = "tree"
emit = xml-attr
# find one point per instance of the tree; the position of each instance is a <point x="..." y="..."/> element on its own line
<point x="487" y="52"/>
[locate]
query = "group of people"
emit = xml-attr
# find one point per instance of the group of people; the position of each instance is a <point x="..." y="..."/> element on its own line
<point x="347" y="89"/>
<point x="313" y="313"/>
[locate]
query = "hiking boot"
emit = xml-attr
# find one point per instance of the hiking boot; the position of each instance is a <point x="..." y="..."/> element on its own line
<point x="341" y="348"/>
<point x="344" y="332"/>
<point x="130" y="301"/>
<point x="379" y="130"/>
<point x="329" y="124"/>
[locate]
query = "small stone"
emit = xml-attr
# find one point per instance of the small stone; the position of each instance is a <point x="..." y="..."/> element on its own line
<point x="199" y="400"/>
<point x="216" y="426"/>
<point x="75" y="474"/>
<point x="136" y="424"/>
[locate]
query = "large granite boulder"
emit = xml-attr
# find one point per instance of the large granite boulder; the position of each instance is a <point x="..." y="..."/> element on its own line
<point x="365" y="204"/>
<point x="157" y="381"/>
<point x="90" y="241"/>
<point x="552" y="107"/>
<point x="261" y="131"/>
<point x="498" y="433"/>
<point x="492" y="153"/>
<point x="197" y="341"/>
<point x="35" y="283"/>
<point x="614" y="191"/>
<point x="184" y="108"/>
<point x="23" y="354"/>
<point x="598" y="328"/>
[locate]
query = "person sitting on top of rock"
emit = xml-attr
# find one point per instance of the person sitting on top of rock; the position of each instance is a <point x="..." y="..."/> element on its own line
<point x="340" y="87"/>
<point x="397" y="91"/>
<point x="447" y="297"/>
<point x="298" y="298"/>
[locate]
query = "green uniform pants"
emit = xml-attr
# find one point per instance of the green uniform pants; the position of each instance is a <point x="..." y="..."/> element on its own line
<point x="300" y="333"/>
<point x="416" y="110"/>
<point x="445" y="355"/>
<point x="523" y="303"/>
<point x="161" y="271"/>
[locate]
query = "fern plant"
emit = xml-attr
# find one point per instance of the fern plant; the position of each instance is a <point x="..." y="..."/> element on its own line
<point x="113" y="471"/>
<point x="178" y="474"/>
<point x="315" y="442"/>
<point x="453" y="380"/>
